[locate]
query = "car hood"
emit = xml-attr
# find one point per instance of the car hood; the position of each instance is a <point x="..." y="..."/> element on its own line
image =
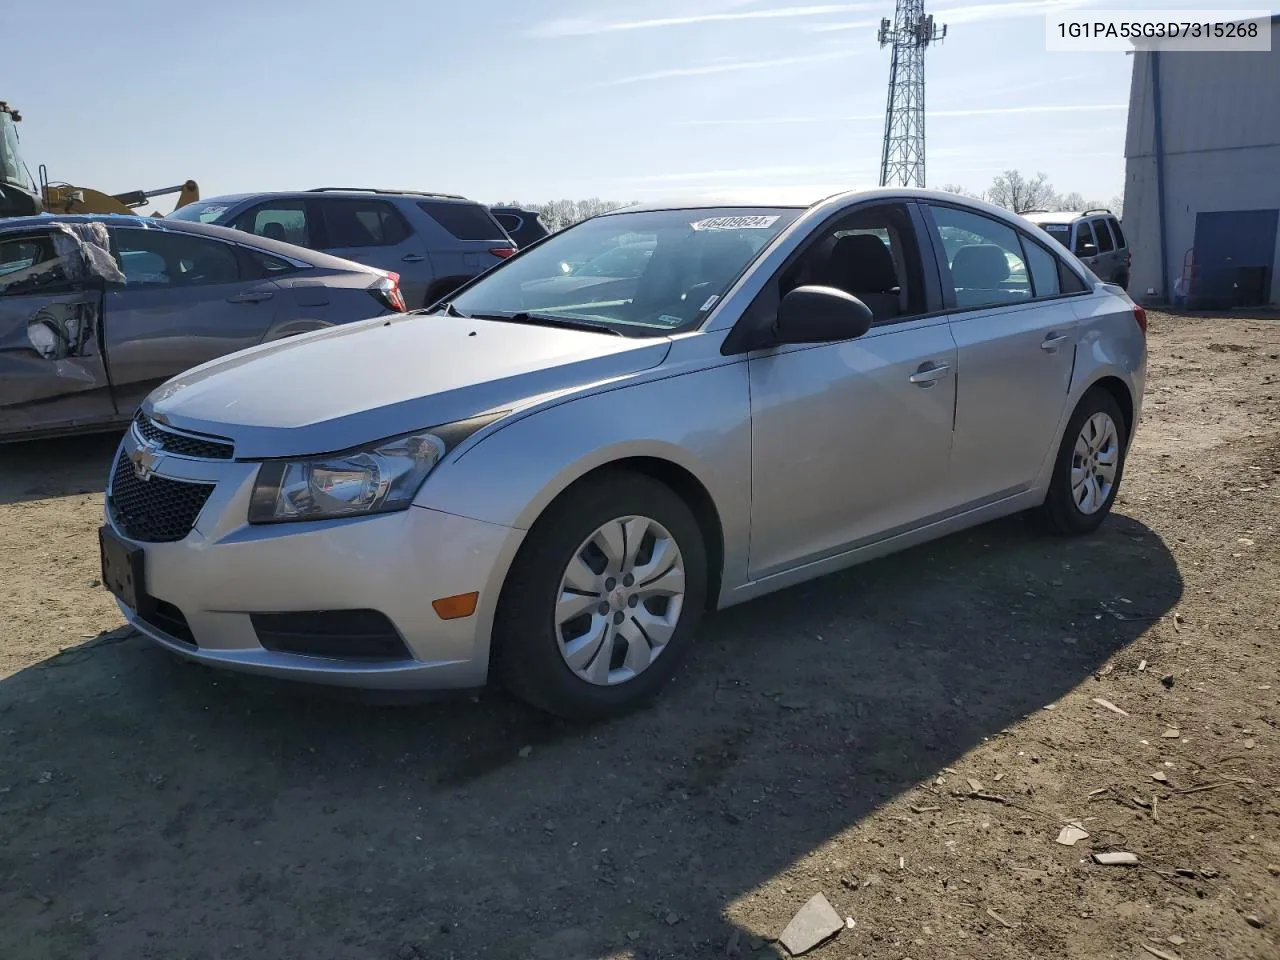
<point x="349" y="385"/>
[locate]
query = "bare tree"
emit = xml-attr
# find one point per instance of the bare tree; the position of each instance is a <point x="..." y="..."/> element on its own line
<point x="558" y="214"/>
<point x="1019" y="193"/>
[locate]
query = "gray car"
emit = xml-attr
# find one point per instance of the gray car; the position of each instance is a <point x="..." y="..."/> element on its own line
<point x="433" y="241"/>
<point x="1095" y="236"/>
<point x="96" y="311"/>
<point x="553" y="497"/>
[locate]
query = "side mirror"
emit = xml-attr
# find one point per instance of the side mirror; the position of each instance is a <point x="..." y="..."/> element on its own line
<point x="1084" y="250"/>
<point x="815" y="314"/>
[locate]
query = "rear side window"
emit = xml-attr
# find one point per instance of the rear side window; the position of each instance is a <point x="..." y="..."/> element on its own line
<point x="1104" y="236"/>
<point x="1084" y="235"/>
<point x="31" y="265"/>
<point x="1115" y="228"/>
<point x="151" y="258"/>
<point x="465" y="221"/>
<point x="362" y="223"/>
<point x="1044" y="269"/>
<point x="285" y="220"/>
<point x="509" y="221"/>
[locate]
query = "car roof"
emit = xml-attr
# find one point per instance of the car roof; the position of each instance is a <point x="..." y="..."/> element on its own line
<point x="234" y="198"/>
<point x="800" y="199"/>
<point x="265" y="244"/>
<point x="1063" y="216"/>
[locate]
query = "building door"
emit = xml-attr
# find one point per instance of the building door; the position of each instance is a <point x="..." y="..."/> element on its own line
<point x="1227" y="242"/>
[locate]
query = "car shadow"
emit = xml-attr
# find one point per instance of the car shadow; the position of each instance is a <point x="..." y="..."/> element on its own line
<point x="41" y="469"/>
<point x="156" y="805"/>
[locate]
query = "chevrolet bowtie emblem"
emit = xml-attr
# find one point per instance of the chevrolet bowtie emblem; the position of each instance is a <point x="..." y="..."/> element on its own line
<point x="145" y="459"/>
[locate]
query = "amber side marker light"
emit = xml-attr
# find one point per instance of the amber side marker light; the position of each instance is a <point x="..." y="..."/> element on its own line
<point x="456" y="607"/>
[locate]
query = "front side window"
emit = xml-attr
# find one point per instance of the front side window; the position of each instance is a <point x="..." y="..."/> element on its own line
<point x="11" y="168"/>
<point x="362" y="223"/>
<point x="983" y="258"/>
<point x="686" y="260"/>
<point x="871" y="254"/>
<point x="1084" y="238"/>
<point x="30" y="264"/>
<point x="155" y="258"/>
<point x="284" y="220"/>
<point x="1103" y="233"/>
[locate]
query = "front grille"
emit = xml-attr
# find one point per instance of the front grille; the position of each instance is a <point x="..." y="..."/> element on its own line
<point x="183" y="444"/>
<point x="156" y="510"/>
<point x="338" y="634"/>
<point x="168" y="619"/>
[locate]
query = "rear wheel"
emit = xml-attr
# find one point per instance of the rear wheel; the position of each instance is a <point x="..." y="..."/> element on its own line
<point x="1089" y="467"/>
<point x="603" y="600"/>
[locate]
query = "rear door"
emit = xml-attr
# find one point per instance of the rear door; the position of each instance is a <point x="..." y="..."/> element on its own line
<point x="463" y="238"/>
<point x="1015" y="337"/>
<point x="1108" y="267"/>
<point x="372" y="231"/>
<point x="52" y="372"/>
<point x="186" y="299"/>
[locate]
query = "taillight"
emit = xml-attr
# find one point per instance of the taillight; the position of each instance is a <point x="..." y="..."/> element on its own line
<point x="1140" y="316"/>
<point x="386" y="290"/>
<point x="503" y="252"/>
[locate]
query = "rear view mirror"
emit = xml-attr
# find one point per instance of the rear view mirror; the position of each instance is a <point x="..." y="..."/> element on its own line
<point x="814" y="314"/>
<point x="1086" y="250"/>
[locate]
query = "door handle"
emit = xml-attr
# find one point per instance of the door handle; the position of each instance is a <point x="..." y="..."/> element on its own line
<point x="930" y="373"/>
<point x="251" y="296"/>
<point x="412" y="258"/>
<point x="1053" y="342"/>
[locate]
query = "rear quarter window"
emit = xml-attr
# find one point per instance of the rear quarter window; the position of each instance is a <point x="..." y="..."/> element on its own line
<point x="463" y="221"/>
<point x="1115" y="228"/>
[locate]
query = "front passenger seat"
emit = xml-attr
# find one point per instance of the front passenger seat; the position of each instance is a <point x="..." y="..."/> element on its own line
<point x="861" y="265"/>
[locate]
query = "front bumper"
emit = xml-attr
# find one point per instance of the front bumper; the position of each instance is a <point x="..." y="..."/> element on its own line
<point x="224" y="570"/>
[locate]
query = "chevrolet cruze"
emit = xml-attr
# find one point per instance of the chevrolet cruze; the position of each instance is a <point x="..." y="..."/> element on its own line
<point x="551" y="496"/>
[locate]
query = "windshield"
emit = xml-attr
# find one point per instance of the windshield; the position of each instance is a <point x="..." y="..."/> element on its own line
<point x="1059" y="231"/>
<point x="202" y="211"/>
<point x="11" y="169"/>
<point x="655" y="271"/>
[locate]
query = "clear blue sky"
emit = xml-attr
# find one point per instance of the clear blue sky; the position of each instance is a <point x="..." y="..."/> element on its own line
<point x="542" y="99"/>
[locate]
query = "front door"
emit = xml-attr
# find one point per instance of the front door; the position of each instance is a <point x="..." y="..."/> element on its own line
<point x="1227" y="243"/>
<point x="186" y="299"/>
<point x="851" y="440"/>
<point x="1015" y="337"/>
<point x="52" y="373"/>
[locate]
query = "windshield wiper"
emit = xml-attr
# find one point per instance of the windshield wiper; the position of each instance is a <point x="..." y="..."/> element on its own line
<point x="548" y="320"/>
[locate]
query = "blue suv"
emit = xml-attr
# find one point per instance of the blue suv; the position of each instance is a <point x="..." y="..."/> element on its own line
<point x="434" y="242"/>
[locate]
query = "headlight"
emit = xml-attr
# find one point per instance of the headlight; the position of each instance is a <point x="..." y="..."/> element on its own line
<point x="379" y="478"/>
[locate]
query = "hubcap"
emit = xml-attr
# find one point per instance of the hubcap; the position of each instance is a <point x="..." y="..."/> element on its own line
<point x="1094" y="463"/>
<point x="620" y="600"/>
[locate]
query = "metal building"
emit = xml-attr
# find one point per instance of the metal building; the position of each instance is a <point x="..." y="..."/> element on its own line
<point x="1202" y="177"/>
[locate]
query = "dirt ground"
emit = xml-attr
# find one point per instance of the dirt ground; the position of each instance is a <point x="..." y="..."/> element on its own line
<point x="907" y="738"/>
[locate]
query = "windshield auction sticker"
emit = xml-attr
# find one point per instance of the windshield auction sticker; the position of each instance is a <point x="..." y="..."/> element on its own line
<point x="735" y="223"/>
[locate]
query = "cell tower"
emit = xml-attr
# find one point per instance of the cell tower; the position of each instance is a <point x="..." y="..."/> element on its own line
<point x="910" y="33"/>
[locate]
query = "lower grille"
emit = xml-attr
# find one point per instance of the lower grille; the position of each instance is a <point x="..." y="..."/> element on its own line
<point x="337" y="634"/>
<point x="155" y="510"/>
<point x="168" y="619"/>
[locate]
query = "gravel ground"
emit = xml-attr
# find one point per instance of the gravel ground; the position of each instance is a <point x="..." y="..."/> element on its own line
<point x="907" y="738"/>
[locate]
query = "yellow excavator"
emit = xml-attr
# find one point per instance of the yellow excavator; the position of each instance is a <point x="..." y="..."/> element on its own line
<point x="19" y="196"/>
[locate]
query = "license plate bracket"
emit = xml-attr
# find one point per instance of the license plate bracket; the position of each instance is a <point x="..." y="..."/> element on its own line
<point x="123" y="571"/>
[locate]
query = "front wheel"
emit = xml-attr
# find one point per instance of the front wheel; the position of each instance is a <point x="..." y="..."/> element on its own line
<point x="1090" y="464"/>
<point x="603" y="599"/>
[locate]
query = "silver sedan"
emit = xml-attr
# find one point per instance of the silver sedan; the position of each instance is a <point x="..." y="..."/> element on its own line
<point x="552" y="495"/>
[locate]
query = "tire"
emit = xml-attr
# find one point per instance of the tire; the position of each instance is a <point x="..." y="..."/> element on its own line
<point x="534" y="636"/>
<point x="1079" y="510"/>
